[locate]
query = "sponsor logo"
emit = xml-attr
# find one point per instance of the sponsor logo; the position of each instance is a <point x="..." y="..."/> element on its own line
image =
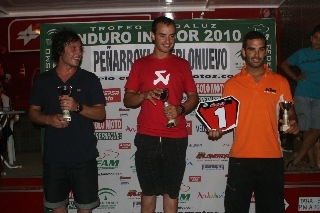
<point x="134" y="193"/>
<point x="195" y="145"/>
<point x="136" y="204"/>
<point x="109" y="153"/>
<point x="161" y="78"/>
<point x="124" y="111"/>
<point x="270" y="90"/>
<point x="209" y="88"/>
<point x="133" y="168"/>
<point x="124" y="178"/>
<point x="260" y="27"/>
<point x="107" y="136"/>
<point x="108" y="198"/>
<point x="194" y="178"/>
<point x="182" y="208"/>
<point x="210" y="195"/>
<point x="131" y="129"/>
<point x="27" y="35"/>
<point x="104" y="163"/>
<point x="208" y="98"/>
<point x="109" y="173"/>
<point x="124" y="145"/>
<point x="201" y="128"/>
<point x="212" y="167"/>
<point x="108" y="164"/>
<point x="20" y="25"/>
<point x="203" y="155"/>
<point x="112" y="95"/>
<point x="109" y="124"/>
<point x="24" y="36"/>
<point x="212" y="76"/>
<point x="184" y="188"/>
<point x="184" y="198"/>
<point x="189" y="127"/>
<point x="189" y="163"/>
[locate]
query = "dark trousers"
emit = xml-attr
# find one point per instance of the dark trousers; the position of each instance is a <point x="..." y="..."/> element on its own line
<point x="262" y="176"/>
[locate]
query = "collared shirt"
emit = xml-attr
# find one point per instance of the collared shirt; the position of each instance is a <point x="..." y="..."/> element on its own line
<point x="256" y="135"/>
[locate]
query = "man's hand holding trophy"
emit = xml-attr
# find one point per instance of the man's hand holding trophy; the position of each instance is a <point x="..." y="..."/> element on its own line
<point x="170" y="111"/>
<point x="285" y="106"/>
<point x="172" y="122"/>
<point x="65" y="91"/>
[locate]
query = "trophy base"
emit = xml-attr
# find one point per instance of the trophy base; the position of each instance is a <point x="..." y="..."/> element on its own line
<point x="172" y="123"/>
<point x="284" y="128"/>
<point x="66" y="115"/>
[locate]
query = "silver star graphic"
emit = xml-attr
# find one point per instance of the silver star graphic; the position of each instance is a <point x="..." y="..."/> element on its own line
<point x="27" y="35"/>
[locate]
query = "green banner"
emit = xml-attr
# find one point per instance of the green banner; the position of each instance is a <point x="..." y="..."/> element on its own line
<point x="210" y="46"/>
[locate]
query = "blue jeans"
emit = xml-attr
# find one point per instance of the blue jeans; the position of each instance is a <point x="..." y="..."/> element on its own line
<point x="262" y="176"/>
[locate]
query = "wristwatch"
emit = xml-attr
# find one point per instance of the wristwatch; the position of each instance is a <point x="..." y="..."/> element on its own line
<point x="79" y="108"/>
<point x="182" y="109"/>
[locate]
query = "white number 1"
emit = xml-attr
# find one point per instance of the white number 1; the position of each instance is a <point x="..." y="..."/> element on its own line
<point x="221" y="113"/>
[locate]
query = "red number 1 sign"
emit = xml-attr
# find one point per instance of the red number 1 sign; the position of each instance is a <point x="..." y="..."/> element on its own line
<point x="221" y="113"/>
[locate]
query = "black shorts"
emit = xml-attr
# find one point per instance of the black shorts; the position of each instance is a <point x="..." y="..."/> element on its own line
<point x="80" y="177"/>
<point x="160" y="164"/>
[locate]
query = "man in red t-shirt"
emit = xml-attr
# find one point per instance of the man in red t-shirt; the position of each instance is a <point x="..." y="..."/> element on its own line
<point x="161" y="151"/>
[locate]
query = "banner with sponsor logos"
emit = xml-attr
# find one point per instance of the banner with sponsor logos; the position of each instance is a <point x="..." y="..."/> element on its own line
<point x="213" y="49"/>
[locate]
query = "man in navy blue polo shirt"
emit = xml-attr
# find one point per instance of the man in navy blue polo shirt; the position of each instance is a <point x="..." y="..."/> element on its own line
<point x="69" y="157"/>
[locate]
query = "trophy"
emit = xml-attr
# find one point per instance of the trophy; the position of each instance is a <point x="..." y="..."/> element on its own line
<point x="164" y="98"/>
<point x="285" y="106"/>
<point x="65" y="90"/>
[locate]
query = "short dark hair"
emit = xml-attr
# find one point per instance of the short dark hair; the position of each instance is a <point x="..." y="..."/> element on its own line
<point x="315" y="30"/>
<point x="59" y="39"/>
<point x="164" y="20"/>
<point x="253" y="35"/>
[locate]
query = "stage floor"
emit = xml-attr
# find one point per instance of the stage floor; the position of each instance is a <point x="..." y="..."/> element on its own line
<point x="31" y="163"/>
<point x="32" y="166"/>
<point x="302" y="186"/>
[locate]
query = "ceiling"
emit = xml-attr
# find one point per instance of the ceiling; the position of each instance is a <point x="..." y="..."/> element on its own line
<point x="17" y="8"/>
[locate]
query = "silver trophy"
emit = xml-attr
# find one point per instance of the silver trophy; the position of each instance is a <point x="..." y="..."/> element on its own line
<point x="65" y="90"/>
<point x="285" y="106"/>
<point x="164" y="98"/>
